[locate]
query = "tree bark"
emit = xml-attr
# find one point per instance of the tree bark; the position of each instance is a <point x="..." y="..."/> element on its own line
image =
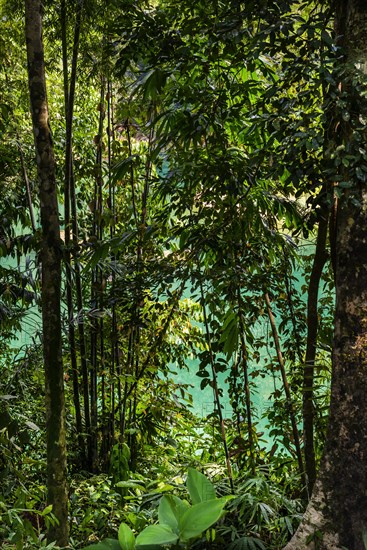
<point x="51" y="277"/>
<point x="336" y="517"/>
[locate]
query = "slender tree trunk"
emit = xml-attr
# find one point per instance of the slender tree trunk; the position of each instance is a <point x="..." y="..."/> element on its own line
<point x="337" y="513"/>
<point x="71" y="221"/>
<point x="51" y="277"/>
<point x="114" y="363"/>
<point x="216" y="389"/>
<point x="70" y="200"/>
<point x="247" y="391"/>
<point x="286" y="387"/>
<point x="312" y="328"/>
<point x="97" y="283"/>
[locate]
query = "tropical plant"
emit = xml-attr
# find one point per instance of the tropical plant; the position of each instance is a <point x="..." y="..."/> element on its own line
<point x="264" y="509"/>
<point x="179" y="523"/>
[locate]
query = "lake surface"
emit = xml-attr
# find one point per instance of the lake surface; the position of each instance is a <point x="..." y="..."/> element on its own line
<point x="203" y="399"/>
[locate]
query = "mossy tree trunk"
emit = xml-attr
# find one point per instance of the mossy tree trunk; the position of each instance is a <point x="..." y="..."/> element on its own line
<point x="336" y="517"/>
<point x="51" y="276"/>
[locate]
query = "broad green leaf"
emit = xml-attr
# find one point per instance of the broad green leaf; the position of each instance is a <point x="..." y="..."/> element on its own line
<point x="229" y="319"/>
<point x="170" y="510"/>
<point x="199" y="487"/>
<point x="106" y="544"/>
<point x="126" y="537"/>
<point x="155" y="535"/>
<point x="200" y="517"/>
<point x="231" y="342"/>
<point x="46" y="510"/>
<point x="125" y="451"/>
<point x="229" y="335"/>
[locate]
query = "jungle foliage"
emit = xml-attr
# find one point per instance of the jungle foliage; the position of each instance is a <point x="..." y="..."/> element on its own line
<point x="196" y="150"/>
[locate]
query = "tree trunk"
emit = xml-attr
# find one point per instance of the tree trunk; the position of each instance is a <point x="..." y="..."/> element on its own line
<point x="336" y="517"/>
<point x="311" y="347"/>
<point x="287" y="390"/>
<point x="247" y="391"/>
<point x="51" y="277"/>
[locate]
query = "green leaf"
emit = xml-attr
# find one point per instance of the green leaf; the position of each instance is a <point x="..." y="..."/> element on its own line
<point x="199" y="487"/>
<point x="106" y="544"/>
<point x="126" y="537"/>
<point x="46" y="510"/>
<point x="200" y="517"/>
<point x="229" y="319"/>
<point x="99" y="254"/>
<point x="231" y="342"/>
<point x="155" y="535"/>
<point x="122" y="167"/>
<point x="229" y="336"/>
<point x="326" y="37"/>
<point x="152" y="83"/>
<point x="171" y="509"/>
<point x="32" y="425"/>
<point x="125" y="451"/>
<point x="130" y="484"/>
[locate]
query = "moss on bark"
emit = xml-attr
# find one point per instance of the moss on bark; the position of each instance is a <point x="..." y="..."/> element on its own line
<point x="336" y="517"/>
<point x="51" y="277"/>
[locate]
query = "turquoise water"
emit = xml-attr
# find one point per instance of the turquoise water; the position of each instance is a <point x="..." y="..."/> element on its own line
<point x="31" y="317"/>
<point x="261" y="387"/>
<point x="202" y="399"/>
